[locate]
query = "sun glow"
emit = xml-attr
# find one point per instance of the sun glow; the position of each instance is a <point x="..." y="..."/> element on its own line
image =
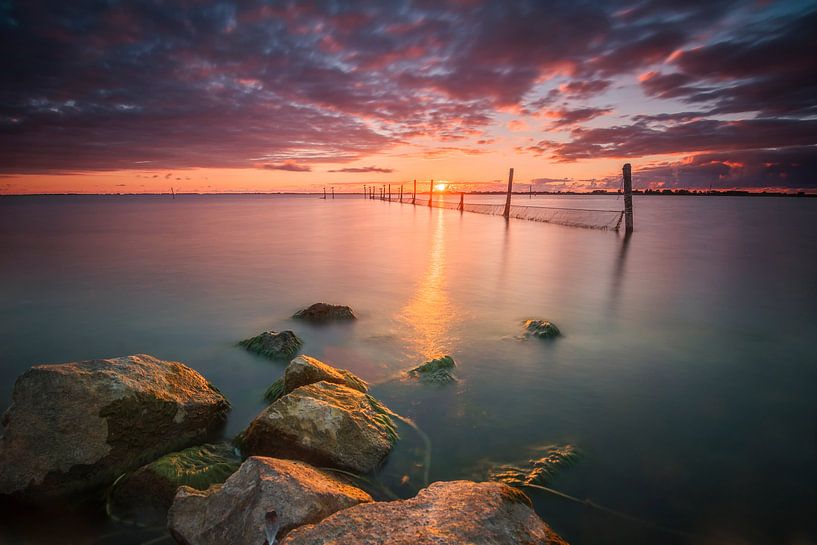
<point x="440" y="187"/>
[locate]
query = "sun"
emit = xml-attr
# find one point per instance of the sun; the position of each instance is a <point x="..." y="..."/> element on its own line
<point x="441" y="187"/>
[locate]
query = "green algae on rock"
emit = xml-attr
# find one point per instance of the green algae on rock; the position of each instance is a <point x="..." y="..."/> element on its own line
<point x="273" y="344"/>
<point x="542" y="329"/>
<point x="548" y="461"/>
<point x="436" y="371"/>
<point x="145" y="495"/>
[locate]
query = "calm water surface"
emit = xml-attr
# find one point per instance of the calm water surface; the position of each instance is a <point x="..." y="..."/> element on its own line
<point x="686" y="375"/>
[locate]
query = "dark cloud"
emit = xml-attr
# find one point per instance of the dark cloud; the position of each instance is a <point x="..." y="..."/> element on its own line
<point x="640" y="139"/>
<point x="792" y="167"/>
<point x="292" y="166"/>
<point x="769" y="69"/>
<point x="363" y="169"/>
<point x="566" y="117"/>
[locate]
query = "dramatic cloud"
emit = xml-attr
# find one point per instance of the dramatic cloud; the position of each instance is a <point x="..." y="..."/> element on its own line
<point x="141" y="85"/>
<point x="363" y="169"/>
<point x="292" y="166"/>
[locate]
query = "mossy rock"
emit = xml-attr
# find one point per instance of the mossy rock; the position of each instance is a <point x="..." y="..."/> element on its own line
<point x="304" y="370"/>
<point x="437" y="371"/>
<point x="542" y="329"/>
<point x="274" y="345"/>
<point x="145" y="495"/>
<point x="539" y="471"/>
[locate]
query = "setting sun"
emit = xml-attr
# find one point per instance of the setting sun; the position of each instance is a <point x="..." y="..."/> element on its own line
<point x="440" y="187"/>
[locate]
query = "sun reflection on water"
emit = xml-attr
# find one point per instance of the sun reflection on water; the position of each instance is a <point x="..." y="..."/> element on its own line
<point x="430" y="311"/>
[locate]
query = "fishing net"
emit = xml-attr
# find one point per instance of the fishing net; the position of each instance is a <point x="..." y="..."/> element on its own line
<point x="570" y="217"/>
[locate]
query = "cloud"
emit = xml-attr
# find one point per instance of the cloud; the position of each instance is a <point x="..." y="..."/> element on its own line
<point x="641" y="139"/>
<point x="116" y="86"/>
<point x="291" y="166"/>
<point x="363" y="169"/>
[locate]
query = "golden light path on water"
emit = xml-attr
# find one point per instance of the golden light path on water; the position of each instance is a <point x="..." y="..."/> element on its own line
<point x="430" y="311"/>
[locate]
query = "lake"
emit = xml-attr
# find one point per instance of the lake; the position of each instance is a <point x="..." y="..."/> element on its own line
<point x="685" y="376"/>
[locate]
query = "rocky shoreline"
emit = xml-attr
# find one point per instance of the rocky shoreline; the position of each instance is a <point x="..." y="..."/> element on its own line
<point x="137" y="428"/>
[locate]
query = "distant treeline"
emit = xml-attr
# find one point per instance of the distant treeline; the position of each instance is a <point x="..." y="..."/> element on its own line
<point x="704" y="193"/>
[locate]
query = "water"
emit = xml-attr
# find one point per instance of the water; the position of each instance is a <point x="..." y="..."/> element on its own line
<point x="685" y="375"/>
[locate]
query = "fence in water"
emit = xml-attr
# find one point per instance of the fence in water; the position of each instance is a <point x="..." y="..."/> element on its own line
<point x="572" y="217"/>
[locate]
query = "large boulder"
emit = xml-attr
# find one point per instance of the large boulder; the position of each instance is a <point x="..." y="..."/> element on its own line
<point x="450" y="513"/>
<point x="324" y="312"/>
<point x="324" y="424"/>
<point x="273" y="344"/>
<point x="78" y="426"/>
<point x="234" y="513"/>
<point x="145" y="495"/>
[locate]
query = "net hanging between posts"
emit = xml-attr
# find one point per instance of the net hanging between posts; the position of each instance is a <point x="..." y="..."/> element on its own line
<point x="570" y="217"/>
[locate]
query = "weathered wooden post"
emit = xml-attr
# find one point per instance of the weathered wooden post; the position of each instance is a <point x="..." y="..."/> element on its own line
<point x="333" y="192"/>
<point x="401" y="193"/>
<point x="628" y="198"/>
<point x="389" y="192"/>
<point x="324" y="192"/>
<point x="414" y="194"/>
<point x="507" y="212"/>
<point x="530" y="191"/>
<point x="460" y="207"/>
<point x="430" y="192"/>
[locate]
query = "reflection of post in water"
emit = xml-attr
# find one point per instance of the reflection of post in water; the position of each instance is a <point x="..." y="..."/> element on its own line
<point x="618" y="271"/>
<point x="429" y="311"/>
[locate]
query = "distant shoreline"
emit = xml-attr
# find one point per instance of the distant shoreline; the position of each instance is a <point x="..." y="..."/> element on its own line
<point x="645" y="192"/>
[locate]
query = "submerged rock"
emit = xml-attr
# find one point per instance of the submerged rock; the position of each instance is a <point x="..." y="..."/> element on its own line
<point x="274" y="345"/>
<point x="437" y="371"/>
<point x="541" y="328"/>
<point x="305" y="370"/>
<point x="146" y="494"/>
<point x="237" y="512"/>
<point x="78" y="426"/>
<point x="539" y="470"/>
<point x="324" y="312"/>
<point x="324" y="424"/>
<point x="452" y="513"/>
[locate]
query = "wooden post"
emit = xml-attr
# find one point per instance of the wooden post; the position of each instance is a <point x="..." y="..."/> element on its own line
<point x="461" y="199"/>
<point x="333" y="192"/>
<point x="430" y="193"/>
<point x="324" y="192"/>
<point x="628" y="198"/>
<point x="414" y="195"/>
<point x="389" y="192"/>
<point x="401" y="193"/>
<point x="507" y="212"/>
<point x="530" y="191"/>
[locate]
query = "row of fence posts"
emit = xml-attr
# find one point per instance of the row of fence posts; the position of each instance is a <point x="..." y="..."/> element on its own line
<point x="369" y="192"/>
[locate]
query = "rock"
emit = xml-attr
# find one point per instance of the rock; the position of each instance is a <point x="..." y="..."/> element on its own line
<point x="324" y="312"/>
<point x="234" y="513"/>
<point x="305" y="370"/>
<point x="145" y="495"/>
<point x="78" y="426"/>
<point x="324" y="424"/>
<point x="541" y="328"/>
<point x="274" y="345"/>
<point x="450" y="513"/>
<point x="436" y="371"/>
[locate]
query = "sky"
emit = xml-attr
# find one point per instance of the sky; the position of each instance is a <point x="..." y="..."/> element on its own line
<point x="141" y="96"/>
